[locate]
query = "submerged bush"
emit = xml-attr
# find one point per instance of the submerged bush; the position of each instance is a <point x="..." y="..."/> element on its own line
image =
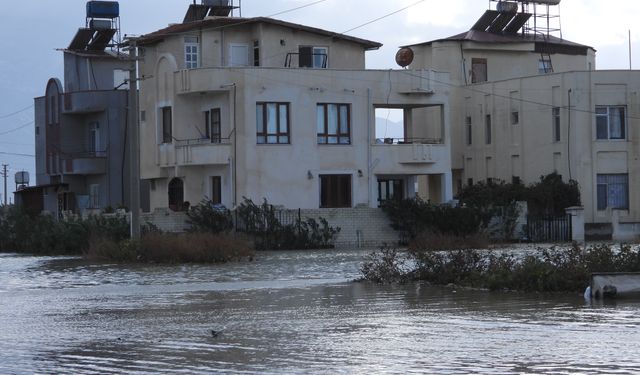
<point x="173" y="248"/>
<point x="209" y="217"/>
<point x="43" y="234"/>
<point x="553" y="270"/>
<point x="385" y="266"/>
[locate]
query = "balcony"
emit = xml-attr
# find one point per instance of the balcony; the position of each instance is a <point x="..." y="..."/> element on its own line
<point x="83" y="102"/>
<point x="195" y="152"/>
<point x="88" y="163"/>
<point x="396" y="155"/>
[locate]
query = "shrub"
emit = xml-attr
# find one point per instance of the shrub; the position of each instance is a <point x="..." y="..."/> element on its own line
<point x="430" y="240"/>
<point x="268" y="233"/>
<point x="553" y="270"/>
<point x="385" y="266"/>
<point x="209" y="217"/>
<point x="413" y="216"/>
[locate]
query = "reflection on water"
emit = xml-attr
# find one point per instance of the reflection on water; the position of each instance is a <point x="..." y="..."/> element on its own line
<point x="292" y="312"/>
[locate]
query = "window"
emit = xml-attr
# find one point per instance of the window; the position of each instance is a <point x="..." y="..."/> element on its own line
<point x="613" y="191"/>
<point x="272" y="123"/>
<point x="544" y="66"/>
<point x="478" y="70"/>
<point x="334" y="124"/>
<point x="216" y="190"/>
<point x="256" y="53"/>
<point x="335" y="191"/>
<point x="239" y="55"/>
<point x="53" y="110"/>
<point x="167" y="136"/>
<point x="191" y="55"/>
<point x="94" y="196"/>
<point x="610" y="122"/>
<point x="390" y="190"/>
<point x="487" y="133"/>
<point x="469" y="130"/>
<point x="313" y="57"/>
<point x="515" y="118"/>
<point x="94" y="137"/>
<point x="212" y="125"/>
<point x="555" y="116"/>
<point x="37" y="130"/>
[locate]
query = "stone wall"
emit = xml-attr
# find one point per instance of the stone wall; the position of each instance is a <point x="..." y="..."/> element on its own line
<point x="359" y="227"/>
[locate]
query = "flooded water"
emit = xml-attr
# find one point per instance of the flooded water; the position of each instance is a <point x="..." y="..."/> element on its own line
<point x="292" y="312"/>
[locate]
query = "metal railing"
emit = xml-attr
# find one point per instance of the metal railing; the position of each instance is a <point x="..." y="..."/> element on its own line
<point x="408" y="141"/>
<point x="289" y="60"/>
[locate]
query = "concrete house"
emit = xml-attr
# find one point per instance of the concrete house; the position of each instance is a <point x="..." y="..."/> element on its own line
<point x="262" y="108"/>
<point x="80" y="124"/>
<point x="527" y="103"/>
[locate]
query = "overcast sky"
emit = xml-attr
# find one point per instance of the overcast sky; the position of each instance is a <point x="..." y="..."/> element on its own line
<point x="32" y="30"/>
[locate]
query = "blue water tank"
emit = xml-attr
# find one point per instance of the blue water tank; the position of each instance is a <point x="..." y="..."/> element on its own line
<point x="103" y="9"/>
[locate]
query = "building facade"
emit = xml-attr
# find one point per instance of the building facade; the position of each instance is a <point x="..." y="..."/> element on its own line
<point x="525" y="105"/>
<point x="261" y="108"/>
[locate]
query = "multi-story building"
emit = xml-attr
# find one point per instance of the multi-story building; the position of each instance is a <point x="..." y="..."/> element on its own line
<point x="262" y="108"/>
<point x="82" y="160"/>
<point x="527" y="103"/>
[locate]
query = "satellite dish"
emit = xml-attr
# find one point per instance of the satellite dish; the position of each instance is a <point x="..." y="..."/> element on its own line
<point x="404" y="57"/>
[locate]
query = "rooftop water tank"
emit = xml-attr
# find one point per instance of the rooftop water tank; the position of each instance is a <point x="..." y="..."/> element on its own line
<point x="507" y="7"/>
<point x="103" y="9"/>
<point x="546" y="2"/>
<point x="216" y="3"/>
<point x="22" y="177"/>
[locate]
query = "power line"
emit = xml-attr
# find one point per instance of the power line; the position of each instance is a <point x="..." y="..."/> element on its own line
<point x="17" y="154"/>
<point x="16" y="112"/>
<point x="384" y="16"/>
<point x="18" y="128"/>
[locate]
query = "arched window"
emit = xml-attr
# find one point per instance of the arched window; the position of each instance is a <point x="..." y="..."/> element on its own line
<point x="176" y="194"/>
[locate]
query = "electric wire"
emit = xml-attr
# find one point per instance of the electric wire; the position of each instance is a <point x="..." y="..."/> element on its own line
<point x="16" y="154"/>
<point x="18" y="128"/>
<point x="16" y="112"/>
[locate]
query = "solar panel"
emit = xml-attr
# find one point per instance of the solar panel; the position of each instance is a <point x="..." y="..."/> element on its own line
<point x="501" y="22"/>
<point x="517" y="23"/>
<point x="196" y="12"/>
<point x="101" y="40"/>
<point x="81" y="40"/>
<point x="486" y="20"/>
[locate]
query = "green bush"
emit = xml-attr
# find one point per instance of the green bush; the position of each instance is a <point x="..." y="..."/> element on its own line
<point x="209" y="217"/>
<point x="42" y="234"/>
<point x="268" y="233"/>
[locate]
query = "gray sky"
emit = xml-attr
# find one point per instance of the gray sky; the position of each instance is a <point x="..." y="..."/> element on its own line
<point x="33" y="29"/>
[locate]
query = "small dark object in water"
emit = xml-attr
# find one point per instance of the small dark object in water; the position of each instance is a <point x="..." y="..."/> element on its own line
<point x="215" y="333"/>
<point x="609" y="291"/>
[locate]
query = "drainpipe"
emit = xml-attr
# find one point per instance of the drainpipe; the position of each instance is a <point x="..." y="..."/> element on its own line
<point x="235" y="142"/>
<point x="134" y="143"/>
<point x="369" y="105"/>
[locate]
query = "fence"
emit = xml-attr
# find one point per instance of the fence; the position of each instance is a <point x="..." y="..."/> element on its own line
<point x="549" y="228"/>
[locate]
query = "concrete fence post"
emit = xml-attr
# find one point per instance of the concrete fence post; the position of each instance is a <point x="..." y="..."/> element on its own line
<point x="577" y="223"/>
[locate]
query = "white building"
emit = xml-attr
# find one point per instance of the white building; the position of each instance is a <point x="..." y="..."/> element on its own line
<point x="261" y="108"/>
<point x="525" y="105"/>
<point x="233" y="109"/>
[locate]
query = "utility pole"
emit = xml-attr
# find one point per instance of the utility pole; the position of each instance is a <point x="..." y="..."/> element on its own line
<point x="5" y="175"/>
<point x="134" y="142"/>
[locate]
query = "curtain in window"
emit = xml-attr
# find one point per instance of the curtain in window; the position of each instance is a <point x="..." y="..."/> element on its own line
<point x="613" y="191"/>
<point x="616" y="123"/>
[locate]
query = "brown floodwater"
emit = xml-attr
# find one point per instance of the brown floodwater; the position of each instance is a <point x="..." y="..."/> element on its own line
<point x="293" y="312"/>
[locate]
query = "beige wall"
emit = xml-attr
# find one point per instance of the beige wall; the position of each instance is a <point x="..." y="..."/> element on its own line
<point x="528" y="149"/>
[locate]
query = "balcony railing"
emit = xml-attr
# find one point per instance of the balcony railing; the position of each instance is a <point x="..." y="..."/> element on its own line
<point x="409" y="141"/>
<point x="201" y="151"/>
<point x="289" y="60"/>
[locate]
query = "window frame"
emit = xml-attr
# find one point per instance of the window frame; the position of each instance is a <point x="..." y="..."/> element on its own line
<point x="213" y="125"/>
<point x="189" y="53"/>
<point x="396" y="184"/>
<point x="262" y="130"/>
<point x="468" y="121"/>
<point x="315" y="52"/>
<point x="166" y="126"/>
<point x="607" y="117"/>
<point x="556" y="123"/>
<point x="545" y="66"/>
<point x="216" y="190"/>
<point x="487" y="130"/>
<point x="245" y="54"/>
<point x="339" y="135"/>
<point x="603" y="190"/>
<point x="256" y="53"/>
<point x="477" y="74"/>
